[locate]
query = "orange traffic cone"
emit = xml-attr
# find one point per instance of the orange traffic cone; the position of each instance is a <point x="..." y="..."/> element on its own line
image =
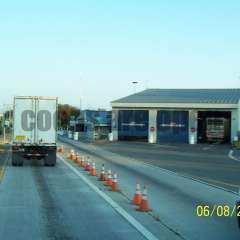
<point x="71" y="154"/>
<point x="102" y="175"/>
<point x="108" y="181"/>
<point x="81" y="162"/>
<point x="84" y="162"/>
<point x="137" y="196"/>
<point x="106" y="175"/>
<point x="144" y="203"/>
<point x="115" y="187"/>
<point x="88" y="166"/>
<point x="73" y="157"/>
<point x="93" y="171"/>
<point x="61" y="149"/>
<point x="77" y="158"/>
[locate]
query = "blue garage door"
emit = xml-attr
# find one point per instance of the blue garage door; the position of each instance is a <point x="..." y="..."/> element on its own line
<point x="132" y="124"/>
<point x="172" y="126"/>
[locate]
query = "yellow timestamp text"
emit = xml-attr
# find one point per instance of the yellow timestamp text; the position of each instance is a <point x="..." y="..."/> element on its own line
<point x="217" y="211"/>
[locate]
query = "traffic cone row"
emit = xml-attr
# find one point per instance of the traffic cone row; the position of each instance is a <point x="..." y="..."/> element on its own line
<point x="106" y="177"/>
<point x="111" y="181"/>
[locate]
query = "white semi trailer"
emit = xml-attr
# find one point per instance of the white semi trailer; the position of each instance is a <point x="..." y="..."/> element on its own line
<point x="34" y="130"/>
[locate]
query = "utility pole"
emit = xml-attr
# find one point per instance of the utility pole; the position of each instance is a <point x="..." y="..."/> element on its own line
<point x="4" y="134"/>
<point x="7" y="108"/>
<point x="146" y="84"/>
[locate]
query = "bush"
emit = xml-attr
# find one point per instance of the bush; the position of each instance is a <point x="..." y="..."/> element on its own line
<point x="236" y="144"/>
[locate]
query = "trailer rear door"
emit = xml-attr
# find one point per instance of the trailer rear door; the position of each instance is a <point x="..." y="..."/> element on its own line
<point x="23" y="130"/>
<point x="46" y="121"/>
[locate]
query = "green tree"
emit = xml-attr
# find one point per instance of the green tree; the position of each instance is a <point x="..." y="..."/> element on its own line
<point x="65" y="111"/>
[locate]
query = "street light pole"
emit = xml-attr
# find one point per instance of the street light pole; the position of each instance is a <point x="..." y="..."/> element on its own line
<point x="135" y="85"/>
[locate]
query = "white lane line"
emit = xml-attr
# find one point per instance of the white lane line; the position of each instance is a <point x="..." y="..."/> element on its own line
<point x="147" y="234"/>
<point x="230" y="155"/>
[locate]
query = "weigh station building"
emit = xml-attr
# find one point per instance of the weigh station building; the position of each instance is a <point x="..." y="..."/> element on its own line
<point x="178" y="116"/>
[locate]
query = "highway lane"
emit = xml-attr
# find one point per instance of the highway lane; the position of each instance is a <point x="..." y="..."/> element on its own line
<point x="38" y="202"/>
<point x="209" y="163"/>
<point x="173" y="197"/>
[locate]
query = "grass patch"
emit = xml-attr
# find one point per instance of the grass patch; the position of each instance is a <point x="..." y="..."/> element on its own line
<point x="236" y="144"/>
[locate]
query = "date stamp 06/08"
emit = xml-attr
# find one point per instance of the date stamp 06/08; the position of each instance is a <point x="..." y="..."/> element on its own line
<point x="217" y="211"/>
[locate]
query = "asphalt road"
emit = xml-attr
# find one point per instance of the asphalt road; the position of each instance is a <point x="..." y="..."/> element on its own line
<point x="38" y="202"/>
<point x="173" y="198"/>
<point x="209" y="163"/>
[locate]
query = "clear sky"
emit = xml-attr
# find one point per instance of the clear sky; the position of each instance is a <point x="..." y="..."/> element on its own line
<point x="93" y="50"/>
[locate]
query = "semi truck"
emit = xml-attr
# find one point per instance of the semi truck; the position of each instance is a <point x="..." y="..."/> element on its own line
<point x="34" y="129"/>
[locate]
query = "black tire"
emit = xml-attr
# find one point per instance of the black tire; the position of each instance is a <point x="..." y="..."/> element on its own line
<point x="20" y="164"/>
<point x="50" y="159"/>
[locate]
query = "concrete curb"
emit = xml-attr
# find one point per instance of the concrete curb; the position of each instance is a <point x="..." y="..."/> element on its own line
<point x="231" y="156"/>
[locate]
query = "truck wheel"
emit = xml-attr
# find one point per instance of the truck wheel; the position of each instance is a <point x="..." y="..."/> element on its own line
<point x="14" y="159"/>
<point x="14" y="163"/>
<point x="50" y="160"/>
<point x="20" y="163"/>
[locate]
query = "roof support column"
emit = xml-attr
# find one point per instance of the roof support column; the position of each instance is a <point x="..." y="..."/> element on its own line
<point x="235" y="123"/>
<point x="192" y="139"/>
<point x="152" y="127"/>
<point x="115" y="124"/>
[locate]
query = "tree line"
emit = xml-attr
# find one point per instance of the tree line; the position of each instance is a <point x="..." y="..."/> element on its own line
<point x="66" y="112"/>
